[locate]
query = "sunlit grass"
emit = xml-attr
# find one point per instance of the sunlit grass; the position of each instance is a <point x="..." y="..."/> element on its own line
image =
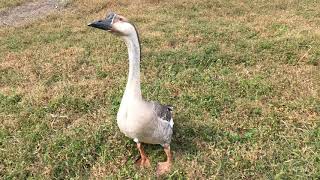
<point x="243" y="78"/>
<point x="11" y="3"/>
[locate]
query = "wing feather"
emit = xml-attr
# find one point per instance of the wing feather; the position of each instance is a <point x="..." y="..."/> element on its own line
<point x="163" y="111"/>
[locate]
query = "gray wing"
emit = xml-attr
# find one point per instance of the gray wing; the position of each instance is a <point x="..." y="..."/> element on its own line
<point x="163" y="111"/>
<point x="164" y="130"/>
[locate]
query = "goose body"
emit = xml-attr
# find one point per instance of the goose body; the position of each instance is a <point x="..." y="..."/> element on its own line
<point x="147" y="122"/>
<point x="143" y="121"/>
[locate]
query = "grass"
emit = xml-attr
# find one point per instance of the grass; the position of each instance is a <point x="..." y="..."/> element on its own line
<point x="12" y="3"/>
<point x="242" y="76"/>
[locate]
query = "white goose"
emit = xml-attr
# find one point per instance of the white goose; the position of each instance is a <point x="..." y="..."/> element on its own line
<point x="144" y="122"/>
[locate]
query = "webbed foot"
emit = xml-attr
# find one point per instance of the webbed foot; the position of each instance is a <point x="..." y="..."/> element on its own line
<point x="143" y="162"/>
<point x="163" y="168"/>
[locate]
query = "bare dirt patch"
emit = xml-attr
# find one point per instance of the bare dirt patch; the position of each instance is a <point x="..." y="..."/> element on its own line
<point x="28" y="12"/>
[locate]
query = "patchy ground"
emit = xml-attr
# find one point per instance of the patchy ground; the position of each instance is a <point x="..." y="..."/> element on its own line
<point x="28" y="12"/>
<point x="243" y="76"/>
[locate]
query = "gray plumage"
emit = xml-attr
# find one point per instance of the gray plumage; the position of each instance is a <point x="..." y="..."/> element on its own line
<point x="163" y="111"/>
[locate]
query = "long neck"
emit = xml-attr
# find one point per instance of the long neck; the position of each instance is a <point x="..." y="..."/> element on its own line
<point x="133" y="85"/>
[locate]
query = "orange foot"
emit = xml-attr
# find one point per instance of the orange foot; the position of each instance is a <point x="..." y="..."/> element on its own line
<point x="143" y="163"/>
<point x="163" y="168"/>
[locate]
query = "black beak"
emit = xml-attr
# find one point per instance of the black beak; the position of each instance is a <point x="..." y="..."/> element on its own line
<point x="105" y="24"/>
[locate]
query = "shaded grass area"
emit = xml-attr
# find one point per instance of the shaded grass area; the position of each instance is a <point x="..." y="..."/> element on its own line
<point x="242" y="76"/>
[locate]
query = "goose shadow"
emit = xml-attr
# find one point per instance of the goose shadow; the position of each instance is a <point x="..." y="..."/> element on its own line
<point x="188" y="135"/>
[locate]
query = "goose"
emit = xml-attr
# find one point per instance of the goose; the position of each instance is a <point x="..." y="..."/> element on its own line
<point x="143" y="121"/>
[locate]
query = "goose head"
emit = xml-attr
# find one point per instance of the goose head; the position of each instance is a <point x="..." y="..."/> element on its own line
<point x="116" y="24"/>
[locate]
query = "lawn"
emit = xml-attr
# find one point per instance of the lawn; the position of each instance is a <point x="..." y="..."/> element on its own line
<point x="243" y="77"/>
<point x="12" y="3"/>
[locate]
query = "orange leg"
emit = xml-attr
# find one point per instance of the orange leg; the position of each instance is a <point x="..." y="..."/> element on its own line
<point x="143" y="161"/>
<point x="165" y="167"/>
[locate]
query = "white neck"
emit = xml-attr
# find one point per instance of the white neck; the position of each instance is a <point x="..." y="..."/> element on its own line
<point x="133" y="89"/>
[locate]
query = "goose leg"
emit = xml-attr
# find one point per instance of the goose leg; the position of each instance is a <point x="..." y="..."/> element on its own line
<point x="143" y="161"/>
<point x="164" y="167"/>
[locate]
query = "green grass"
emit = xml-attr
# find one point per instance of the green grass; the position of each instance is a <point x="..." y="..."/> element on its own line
<point x="243" y="77"/>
